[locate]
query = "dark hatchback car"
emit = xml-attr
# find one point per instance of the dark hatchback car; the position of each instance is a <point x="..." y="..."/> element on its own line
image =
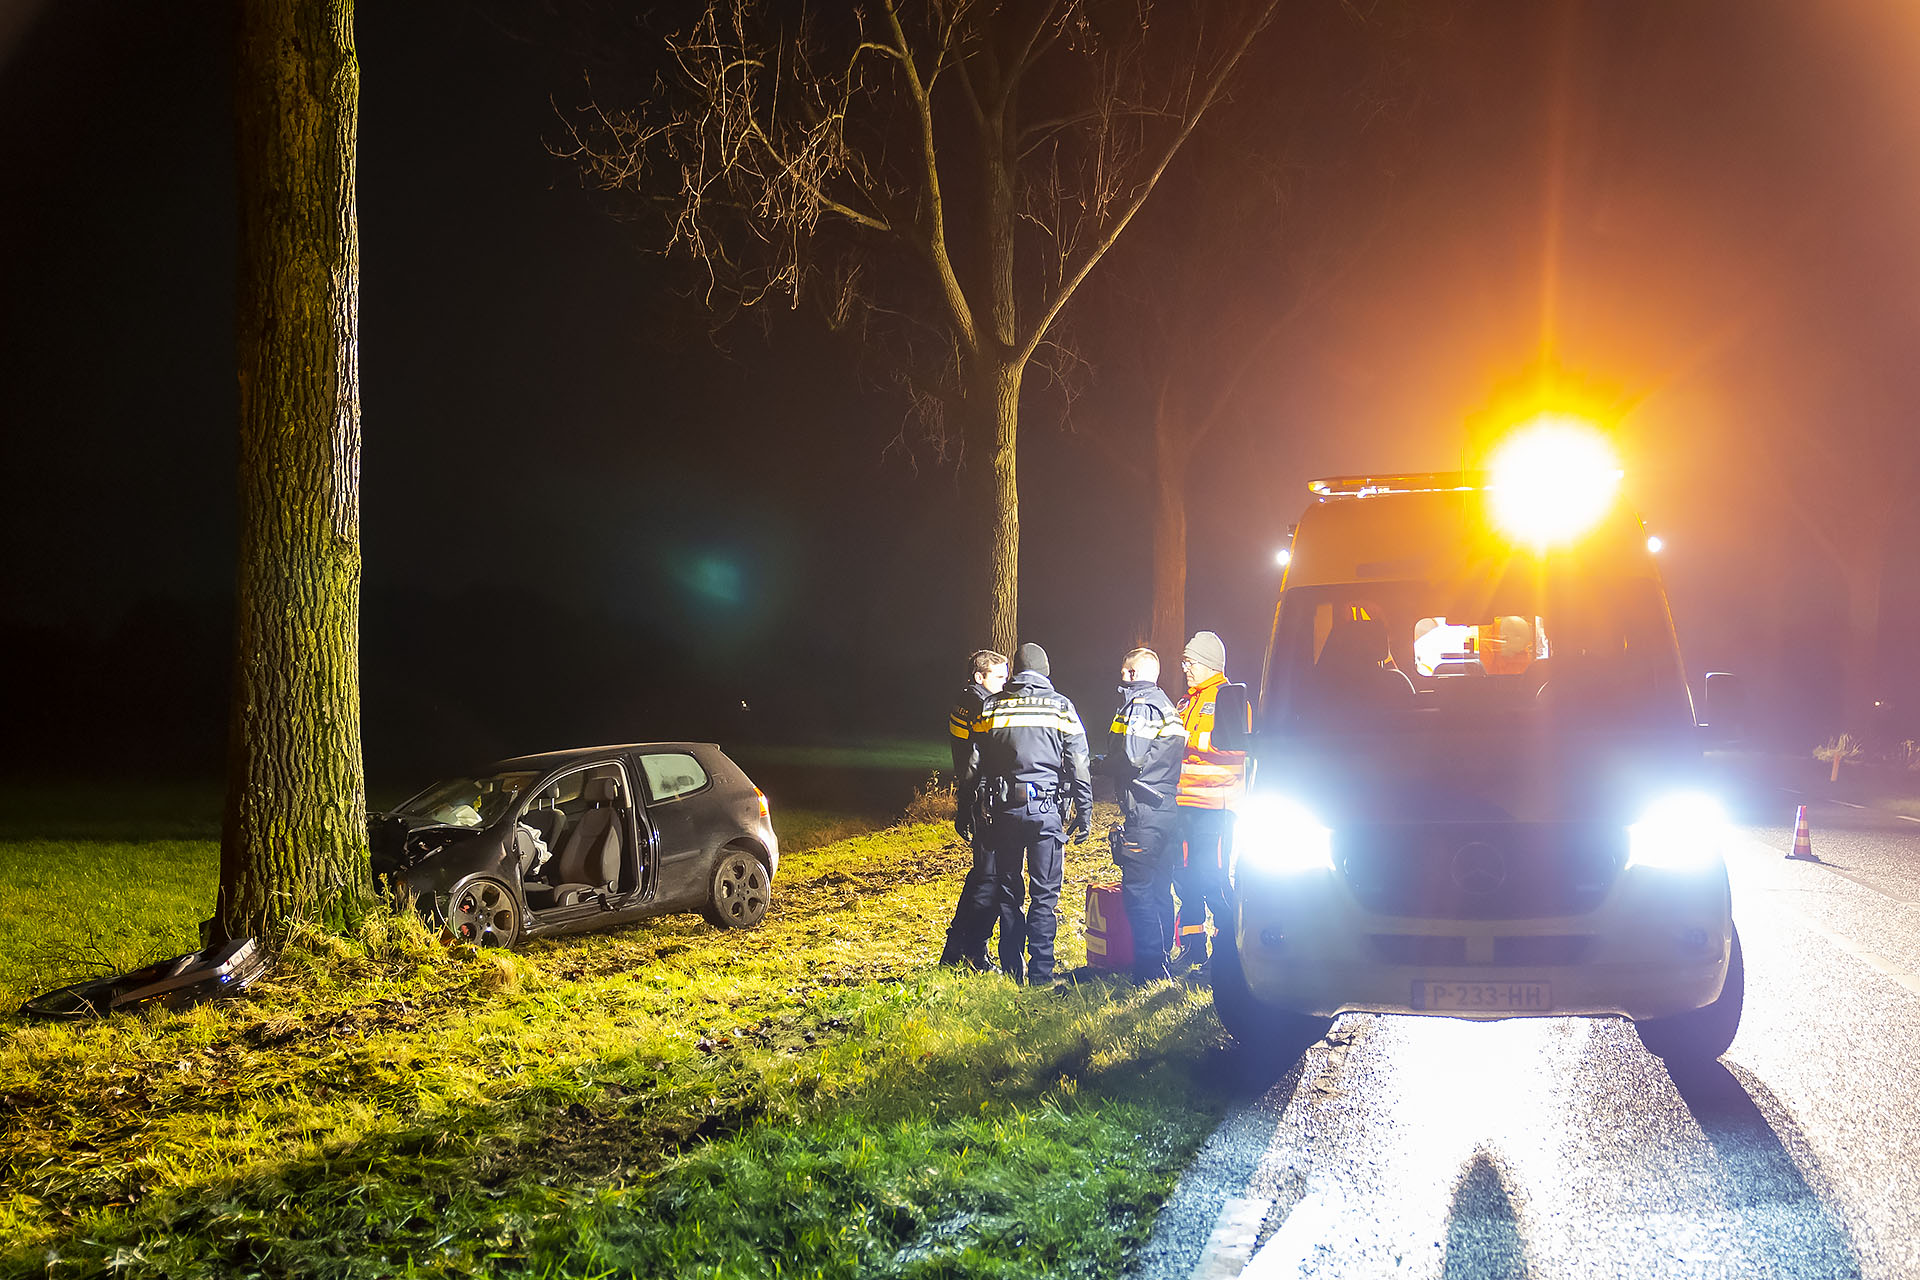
<point x="584" y="839"/>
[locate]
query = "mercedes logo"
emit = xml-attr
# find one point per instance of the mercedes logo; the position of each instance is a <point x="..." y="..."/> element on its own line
<point x="1478" y="867"/>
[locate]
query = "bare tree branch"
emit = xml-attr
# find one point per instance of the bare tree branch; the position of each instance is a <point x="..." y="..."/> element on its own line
<point x="935" y="204"/>
<point x="1106" y="241"/>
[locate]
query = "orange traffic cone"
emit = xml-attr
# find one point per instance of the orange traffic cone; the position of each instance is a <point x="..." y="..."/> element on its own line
<point x="1802" y="840"/>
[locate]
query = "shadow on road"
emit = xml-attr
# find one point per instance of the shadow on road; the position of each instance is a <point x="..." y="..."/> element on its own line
<point x="1806" y="1236"/>
<point x="1483" y="1232"/>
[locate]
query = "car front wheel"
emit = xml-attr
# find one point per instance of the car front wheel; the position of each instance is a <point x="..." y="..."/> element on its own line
<point x="740" y="892"/>
<point x="1704" y="1034"/>
<point x="482" y="911"/>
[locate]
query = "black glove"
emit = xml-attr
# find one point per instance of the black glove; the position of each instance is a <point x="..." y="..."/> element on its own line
<point x="963" y="823"/>
<point x="1080" y="828"/>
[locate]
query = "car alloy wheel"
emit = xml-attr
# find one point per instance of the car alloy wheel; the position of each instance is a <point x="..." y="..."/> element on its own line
<point x="483" y="912"/>
<point x="741" y="891"/>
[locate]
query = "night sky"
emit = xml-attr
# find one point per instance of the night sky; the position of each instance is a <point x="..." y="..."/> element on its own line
<point x="587" y="520"/>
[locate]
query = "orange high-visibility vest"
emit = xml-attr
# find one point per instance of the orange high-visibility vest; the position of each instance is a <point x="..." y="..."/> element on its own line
<point x="1209" y="779"/>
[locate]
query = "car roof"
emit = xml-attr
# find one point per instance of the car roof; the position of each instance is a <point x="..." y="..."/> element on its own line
<point x="555" y="759"/>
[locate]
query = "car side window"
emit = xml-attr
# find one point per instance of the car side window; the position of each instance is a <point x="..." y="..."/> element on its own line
<point x="568" y="793"/>
<point x="672" y="774"/>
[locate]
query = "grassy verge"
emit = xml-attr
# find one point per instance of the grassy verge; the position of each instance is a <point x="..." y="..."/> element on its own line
<point x="810" y="1099"/>
<point x="81" y="905"/>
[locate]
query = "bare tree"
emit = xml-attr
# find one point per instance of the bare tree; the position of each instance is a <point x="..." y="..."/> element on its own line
<point x="941" y="176"/>
<point x="294" y="839"/>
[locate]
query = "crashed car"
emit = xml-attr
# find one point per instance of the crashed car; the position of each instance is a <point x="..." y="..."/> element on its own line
<point x="583" y="839"/>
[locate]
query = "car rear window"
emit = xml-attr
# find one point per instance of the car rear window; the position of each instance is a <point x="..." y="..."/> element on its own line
<point x="671" y="774"/>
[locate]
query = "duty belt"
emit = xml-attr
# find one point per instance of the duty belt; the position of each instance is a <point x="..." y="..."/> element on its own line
<point x="1013" y="791"/>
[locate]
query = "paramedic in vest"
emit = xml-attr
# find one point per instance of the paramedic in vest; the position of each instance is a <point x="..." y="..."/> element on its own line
<point x="1144" y="758"/>
<point x="979" y="901"/>
<point x="1029" y="761"/>
<point x="1210" y="784"/>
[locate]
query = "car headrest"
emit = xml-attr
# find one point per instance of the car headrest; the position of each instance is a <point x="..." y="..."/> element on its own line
<point x="603" y="790"/>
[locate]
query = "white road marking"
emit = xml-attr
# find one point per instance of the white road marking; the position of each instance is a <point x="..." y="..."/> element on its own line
<point x="1850" y="804"/>
<point x="1872" y="959"/>
<point x="1310" y="1225"/>
<point x="1906" y="817"/>
<point x="1231" y="1244"/>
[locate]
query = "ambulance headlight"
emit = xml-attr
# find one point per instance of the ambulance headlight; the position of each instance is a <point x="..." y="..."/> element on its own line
<point x="1276" y="836"/>
<point x="1684" y="832"/>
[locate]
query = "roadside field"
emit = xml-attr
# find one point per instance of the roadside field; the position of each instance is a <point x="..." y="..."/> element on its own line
<point x="814" y="1098"/>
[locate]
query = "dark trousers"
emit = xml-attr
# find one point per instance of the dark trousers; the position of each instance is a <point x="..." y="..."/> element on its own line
<point x="979" y="904"/>
<point x="1144" y="848"/>
<point x="1200" y="875"/>
<point x="1028" y="837"/>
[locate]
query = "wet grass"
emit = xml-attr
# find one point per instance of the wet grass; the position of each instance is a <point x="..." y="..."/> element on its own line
<point x="76" y="908"/>
<point x="813" y="1098"/>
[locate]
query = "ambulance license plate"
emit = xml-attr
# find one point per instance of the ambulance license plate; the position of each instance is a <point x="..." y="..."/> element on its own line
<point x="1482" y="997"/>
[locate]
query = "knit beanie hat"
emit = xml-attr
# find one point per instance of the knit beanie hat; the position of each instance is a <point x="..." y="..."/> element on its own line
<point x="1031" y="657"/>
<point x="1206" y="650"/>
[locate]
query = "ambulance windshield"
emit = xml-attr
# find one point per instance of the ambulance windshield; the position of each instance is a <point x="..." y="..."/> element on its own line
<point x="1592" y="652"/>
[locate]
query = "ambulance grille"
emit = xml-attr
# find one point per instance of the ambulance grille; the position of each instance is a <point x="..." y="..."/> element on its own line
<point x="1480" y="871"/>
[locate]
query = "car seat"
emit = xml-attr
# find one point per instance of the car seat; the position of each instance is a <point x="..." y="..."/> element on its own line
<point x="547" y="822"/>
<point x="588" y="860"/>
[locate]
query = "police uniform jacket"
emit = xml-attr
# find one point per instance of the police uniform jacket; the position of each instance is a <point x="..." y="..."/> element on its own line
<point x="966" y="709"/>
<point x="1147" y="745"/>
<point x="1030" y="734"/>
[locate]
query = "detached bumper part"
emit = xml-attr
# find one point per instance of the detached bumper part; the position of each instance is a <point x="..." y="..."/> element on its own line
<point x="211" y="974"/>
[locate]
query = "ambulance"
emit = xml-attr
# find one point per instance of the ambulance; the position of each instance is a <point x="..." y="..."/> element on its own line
<point x="1474" y="759"/>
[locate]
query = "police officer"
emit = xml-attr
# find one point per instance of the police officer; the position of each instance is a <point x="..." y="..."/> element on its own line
<point x="1210" y="784"/>
<point x="1028" y="762"/>
<point x="973" y="914"/>
<point x="1148" y="741"/>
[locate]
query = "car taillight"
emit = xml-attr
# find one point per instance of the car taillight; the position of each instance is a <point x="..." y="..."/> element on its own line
<point x="761" y="796"/>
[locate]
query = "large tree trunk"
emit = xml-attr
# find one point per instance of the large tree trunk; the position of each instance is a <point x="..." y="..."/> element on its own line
<point x="1169" y="624"/>
<point x="294" y="839"/>
<point x="1003" y="386"/>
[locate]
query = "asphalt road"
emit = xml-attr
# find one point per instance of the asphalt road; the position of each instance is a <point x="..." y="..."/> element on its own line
<point x="1561" y="1148"/>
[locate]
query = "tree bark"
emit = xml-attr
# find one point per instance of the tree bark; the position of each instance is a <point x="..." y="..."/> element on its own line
<point x="1169" y="625"/>
<point x="294" y="837"/>
<point x="1004" y="367"/>
<point x="1003" y="387"/>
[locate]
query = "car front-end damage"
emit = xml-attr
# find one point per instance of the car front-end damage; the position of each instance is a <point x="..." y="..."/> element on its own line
<point x="435" y="866"/>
